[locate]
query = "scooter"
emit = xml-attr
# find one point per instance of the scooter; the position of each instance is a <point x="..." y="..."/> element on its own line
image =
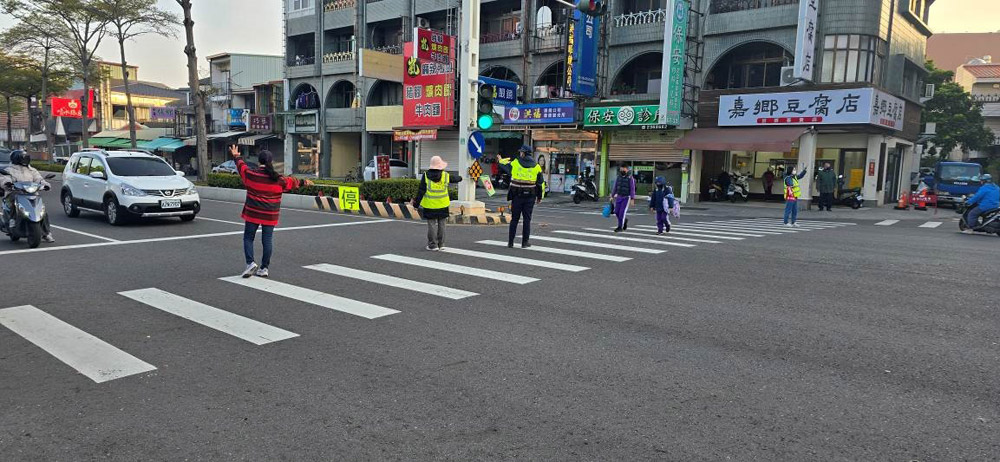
<point x="585" y="189"/>
<point x="990" y="219"/>
<point x="23" y="212"/>
<point x="739" y="188"/>
<point x="714" y="191"/>
<point x="850" y="197"/>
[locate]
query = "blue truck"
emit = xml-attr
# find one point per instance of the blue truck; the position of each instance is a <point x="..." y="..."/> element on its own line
<point x="953" y="180"/>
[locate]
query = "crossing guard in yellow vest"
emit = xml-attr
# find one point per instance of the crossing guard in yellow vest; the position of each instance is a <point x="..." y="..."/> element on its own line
<point x="525" y="191"/>
<point x="792" y="194"/>
<point x="434" y="200"/>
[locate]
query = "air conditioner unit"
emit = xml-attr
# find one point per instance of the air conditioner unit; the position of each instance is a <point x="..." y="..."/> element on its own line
<point x="540" y="92"/>
<point x="423" y="23"/>
<point x="520" y="92"/>
<point x="788" y="76"/>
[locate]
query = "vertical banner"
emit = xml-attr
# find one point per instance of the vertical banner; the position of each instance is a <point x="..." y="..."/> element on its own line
<point x="675" y="31"/>
<point x="428" y="80"/>
<point x="581" y="54"/>
<point x="805" y="42"/>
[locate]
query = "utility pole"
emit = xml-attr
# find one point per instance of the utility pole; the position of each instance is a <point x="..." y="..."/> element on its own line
<point x="468" y="81"/>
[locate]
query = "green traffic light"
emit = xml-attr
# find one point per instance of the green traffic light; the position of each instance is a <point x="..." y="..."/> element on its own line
<point x="485" y="121"/>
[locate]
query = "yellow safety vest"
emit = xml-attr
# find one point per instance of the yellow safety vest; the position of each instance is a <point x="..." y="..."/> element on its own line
<point x="796" y="191"/>
<point x="521" y="177"/>
<point x="436" y="196"/>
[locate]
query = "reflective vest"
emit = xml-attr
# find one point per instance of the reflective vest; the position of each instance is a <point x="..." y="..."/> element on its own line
<point x="521" y="177"/>
<point x="436" y="196"/>
<point x="793" y="191"/>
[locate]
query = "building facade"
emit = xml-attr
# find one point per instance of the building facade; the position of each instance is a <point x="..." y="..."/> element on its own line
<point x="981" y="78"/>
<point x="241" y="104"/>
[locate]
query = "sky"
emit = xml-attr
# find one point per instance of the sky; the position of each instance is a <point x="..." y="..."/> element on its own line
<point x="254" y="26"/>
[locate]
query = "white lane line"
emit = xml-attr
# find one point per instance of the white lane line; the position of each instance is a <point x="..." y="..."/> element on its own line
<point x="219" y="221"/>
<point x="839" y="223"/>
<point x="595" y="244"/>
<point x="313" y="297"/>
<point x="931" y="224"/>
<point x="334" y="214"/>
<point x="392" y="281"/>
<point x="182" y="238"/>
<point x="89" y="355"/>
<point x="712" y="234"/>
<point x="752" y="228"/>
<point x="779" y="225"/>
<point x="677" y="233"/>
<point x="887" y="223"/>
<point x="619" y="238"/>
<point x="735" y="228"/>
<point x="665" y="236"/>
<point x="813" y="225"/>
<point x="466" y="270"/>
<point x="722" y="230"/>
<point x="567" y="252"/>
<point x="108" y="239"/>
<point x="233" y="324"/>
<point x="516" y="260"/>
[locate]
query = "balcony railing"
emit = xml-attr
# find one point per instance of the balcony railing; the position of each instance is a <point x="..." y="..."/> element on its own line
<point x="498" y="37"/>
<point x="338" y="57"/>
<point x="396" y="49"/>
<point x="728" y="6"/>
<point x="333" y="5"/>
<point x="301" y="60"/>
<point x="986" y="98"/>
<point x="641" y="17"/>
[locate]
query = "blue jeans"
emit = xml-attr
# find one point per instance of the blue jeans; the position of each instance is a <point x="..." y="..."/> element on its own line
<point x="791" y="211"/>
<point x="249" y="232"/>
<point x="974" y="216"/>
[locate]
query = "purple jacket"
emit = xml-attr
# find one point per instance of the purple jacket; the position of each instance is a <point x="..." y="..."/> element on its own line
<point x="631" y="187"/>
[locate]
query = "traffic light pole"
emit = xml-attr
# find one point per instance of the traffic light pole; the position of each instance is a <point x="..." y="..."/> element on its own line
<point x="467" y="97"/>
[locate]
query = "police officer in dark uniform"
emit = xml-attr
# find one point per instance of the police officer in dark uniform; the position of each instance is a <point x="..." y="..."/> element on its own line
<point x="525" y="191"/>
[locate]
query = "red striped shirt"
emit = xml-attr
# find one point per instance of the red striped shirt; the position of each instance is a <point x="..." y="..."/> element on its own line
<point x="263" y="194"/>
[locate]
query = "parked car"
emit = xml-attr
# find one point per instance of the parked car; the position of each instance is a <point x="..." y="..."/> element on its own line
<point x="397" y="169"/>
<point x="229" y="166"/>
<point x="126" y="184"/>
<point x="4" y="157"/>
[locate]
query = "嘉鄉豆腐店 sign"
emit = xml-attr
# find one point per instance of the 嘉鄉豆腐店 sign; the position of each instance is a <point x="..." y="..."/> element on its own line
<point x="857" y="106"/>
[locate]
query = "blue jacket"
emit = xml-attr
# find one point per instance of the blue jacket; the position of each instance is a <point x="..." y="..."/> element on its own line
<point x="657" y="196"/>
<point x="987" y="198"/>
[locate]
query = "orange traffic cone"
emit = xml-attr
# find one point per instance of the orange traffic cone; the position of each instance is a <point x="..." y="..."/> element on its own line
<point x="921" y="201"/>
<point x="903" y="202"/>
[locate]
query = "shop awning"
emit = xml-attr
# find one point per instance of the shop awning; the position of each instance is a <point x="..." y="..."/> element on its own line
<point x="99" y="142"/>
<point x="173" y="146"/>
<point x="156" y="144"/>
<point x="252" y="140"/>
<point x="120" y="143"/>
<point x="771" y="139"/>
<point x="218" y="136"/>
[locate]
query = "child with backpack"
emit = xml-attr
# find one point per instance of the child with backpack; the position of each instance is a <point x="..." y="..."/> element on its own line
<point x="661" y="200"/>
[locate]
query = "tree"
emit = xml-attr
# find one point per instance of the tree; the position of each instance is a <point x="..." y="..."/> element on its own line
<point x="129" y="19"/>
<point x="195" y="88"/>
<point x="12" y="84"/>
<point x="84" y="26"/>
<point x="959" y="119"/>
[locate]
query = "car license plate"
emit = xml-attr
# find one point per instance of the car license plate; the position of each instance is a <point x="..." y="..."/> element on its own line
<point x="170" y="204"/>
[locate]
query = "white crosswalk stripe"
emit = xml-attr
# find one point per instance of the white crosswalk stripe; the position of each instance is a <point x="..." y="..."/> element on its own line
<point x="887" y="223"/>
<point x="730" y="229"/>
<point x="393" y="281"/>
<point x="931" y="224"/>
<point x="460" y="269"/>
<point x="89" y="355"/>
<point x="822" y="222"/>
<point x="515" y="260"/>
<point x="652" y="229"/>
<point x="707" y="232"/>
<point x="313" y="297"/>
<point x="622" y="238"/>
<point x="808" y="224"/>
<point x="779" y="226"/>
<point x="631" y="233"/>
<point x="602" y="245"/>
<point x="780" y="229"/>
<point x="567" y="252"/>
<point x="233" y="324"/>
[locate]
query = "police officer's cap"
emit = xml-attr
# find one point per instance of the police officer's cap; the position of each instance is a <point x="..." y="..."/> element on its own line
<point x="525" y="148"/>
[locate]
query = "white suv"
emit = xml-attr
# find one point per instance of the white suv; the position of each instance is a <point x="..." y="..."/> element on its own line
<point x="125" y="184"/>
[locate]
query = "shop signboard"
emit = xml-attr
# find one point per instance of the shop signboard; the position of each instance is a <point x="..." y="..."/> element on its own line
<point x="621" y="116"/>
<point x="505" y="91"/>
<point x="303" y="122"/>
<point x="674" y="56"/>
<point x="543" y="113"/>
<point x="382" y="166"/>
<point x="581" y="54"/>
<point x="70" y="108"/>
<point x="805" y="42"/>
<point x="428" y="81"/>
<point x="866" y="106"/>
<point x="414" y="135"/>
<point x="238" y="117"/>
<point x="162" y="113"/>
<point x="260" y="123"/>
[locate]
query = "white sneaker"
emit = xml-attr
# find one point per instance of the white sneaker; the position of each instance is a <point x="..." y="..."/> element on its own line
<point x="440" y="247"/>
<point x="788" y="225"/>
<point x="48" y="238"/>
<point x="251" y="268"/>
<point x="796" y="225"/>
<point x="262" y="273"/>
<point x="431" y="248"/>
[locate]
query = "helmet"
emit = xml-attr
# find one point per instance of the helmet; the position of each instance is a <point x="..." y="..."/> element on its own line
<point x="987" y="178"/>
<point x="660" y="181"/>
<point x="525" y="149"/>
<point x="19" y="157"/>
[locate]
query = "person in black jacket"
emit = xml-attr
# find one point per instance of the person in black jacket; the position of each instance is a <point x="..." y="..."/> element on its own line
<point x="523" y="193"/>
<point x="434" y="205"/>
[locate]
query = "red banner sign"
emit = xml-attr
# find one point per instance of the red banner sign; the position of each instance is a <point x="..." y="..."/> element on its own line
<point x="71" y="108"/>
<point x="382" y="164"/>
<point x="414" y="135"/>
<point x="429" y="80"/>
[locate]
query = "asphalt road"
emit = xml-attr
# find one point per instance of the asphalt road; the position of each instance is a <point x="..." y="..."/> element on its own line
<point x="841" y="341"/>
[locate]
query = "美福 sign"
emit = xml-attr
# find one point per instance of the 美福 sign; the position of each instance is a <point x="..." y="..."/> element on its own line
<point x="545" y="113"/>
<point x="824" y="107"/>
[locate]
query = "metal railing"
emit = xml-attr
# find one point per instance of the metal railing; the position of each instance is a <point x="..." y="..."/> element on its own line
<point x="498" y="37"/>
<point x="640" y="17"/>
<point x="301" y="60"/>
<point x="728" y="6"/>
<point x="333" y="5"/>
<point x="395" y="49"/>
<point x="986" y="98"/>
<point x="338" y="57"/>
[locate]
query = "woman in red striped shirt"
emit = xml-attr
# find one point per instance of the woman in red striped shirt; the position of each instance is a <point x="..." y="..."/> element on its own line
<point x="264" y="189"/>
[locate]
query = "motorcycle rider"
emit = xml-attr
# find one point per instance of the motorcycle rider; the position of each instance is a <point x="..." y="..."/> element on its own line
<point x="20" y="170"/>
<point x="985" y="200"/>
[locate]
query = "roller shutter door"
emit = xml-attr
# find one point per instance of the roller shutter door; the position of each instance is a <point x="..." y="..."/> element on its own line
<point x="446" y="146"/>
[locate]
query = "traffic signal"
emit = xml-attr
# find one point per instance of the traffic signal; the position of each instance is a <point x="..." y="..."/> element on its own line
<point x="593" y="7"/>
<point x="484" y="107"/>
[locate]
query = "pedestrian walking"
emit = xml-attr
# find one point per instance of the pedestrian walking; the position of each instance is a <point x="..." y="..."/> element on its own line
<point x="826" y="183"/>
<point x="623" y="196"/>
<point x="661" y="201"/>
<point x="263" y="203"/>
<point x="768" y="184"/>
<point x="792" y="195"/>
<point x="434" y="198"/>
<point x="525" y="191"/>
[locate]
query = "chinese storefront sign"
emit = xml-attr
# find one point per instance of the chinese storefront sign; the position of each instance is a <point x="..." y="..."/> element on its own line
<point x="350" y="198"/>
<point x="581" y="54"/>
<point x="805" y="42"/>
<point x="260" y="123"/>
<point x="238" y="117"/>
<point x="414" y="135"/>
<point x="382" y="166"/>
<point x="162" y="113"/>
<point x="621" y="116"/>
<point x="674" y="48"/>
<point x="504" y="91"/>
<point x="547" y="113"/>
<point x="827" y="107"/>
<point x="428" y="81"/>
<point x="70" y="107"/>
<point x="303" y="122"/>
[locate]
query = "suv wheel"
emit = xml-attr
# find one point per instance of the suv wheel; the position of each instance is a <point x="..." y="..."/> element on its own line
<point x="113" y="212"/>
<point x="68" y="207"/>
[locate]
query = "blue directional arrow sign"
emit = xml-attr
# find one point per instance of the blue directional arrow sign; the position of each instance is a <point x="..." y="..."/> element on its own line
<point x="477" y="143"/>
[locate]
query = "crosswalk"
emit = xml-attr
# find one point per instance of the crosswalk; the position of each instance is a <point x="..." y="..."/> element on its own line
<point x="925" y="225"/>
<point x="553" y="252"/>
